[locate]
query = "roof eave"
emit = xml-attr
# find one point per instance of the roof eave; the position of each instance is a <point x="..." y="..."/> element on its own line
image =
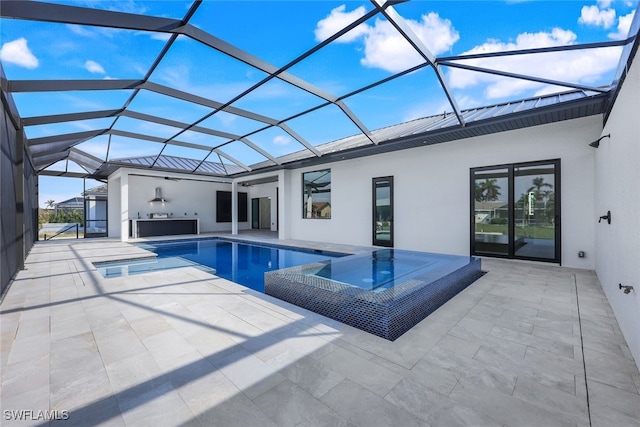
<point x="584" y="107"/>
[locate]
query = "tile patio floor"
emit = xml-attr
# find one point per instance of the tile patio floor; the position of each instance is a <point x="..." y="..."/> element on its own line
<point x="182" y="347"/>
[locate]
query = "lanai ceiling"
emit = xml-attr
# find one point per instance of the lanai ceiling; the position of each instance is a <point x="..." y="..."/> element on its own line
<point x="210" y="88"/>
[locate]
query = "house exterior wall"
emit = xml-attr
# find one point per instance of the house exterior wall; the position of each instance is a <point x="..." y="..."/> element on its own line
<point x="617" y="188"/>
<point x="432" y="190"/>
<point x="186" y="198"/>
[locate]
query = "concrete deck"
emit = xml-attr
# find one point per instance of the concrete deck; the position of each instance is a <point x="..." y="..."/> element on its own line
<point x="525" y="345"/>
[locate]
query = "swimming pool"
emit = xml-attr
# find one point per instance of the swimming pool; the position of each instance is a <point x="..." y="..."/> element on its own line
<point x="382" y="291"/>
<point x="236" y="261"/>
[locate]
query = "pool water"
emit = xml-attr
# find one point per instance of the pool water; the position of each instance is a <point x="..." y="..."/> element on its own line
<point x="111" y="269"/>
<point x="378" y="270"/>
<point x="236" y="261"/>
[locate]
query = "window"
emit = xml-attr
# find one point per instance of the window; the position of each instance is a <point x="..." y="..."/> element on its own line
<point x="223" y="206"/>
<point x="316" y="194"/>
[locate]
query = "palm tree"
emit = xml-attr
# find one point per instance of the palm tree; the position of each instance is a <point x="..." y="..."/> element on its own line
<point x="479" y="191"/>
<point x="492" y="190"/>
<point x="538" y="185"/>
<point x="487" y="191"/>
<point x="550" y="208"/>
<point x="539" y="194"/>
<point x="50" y="203"/>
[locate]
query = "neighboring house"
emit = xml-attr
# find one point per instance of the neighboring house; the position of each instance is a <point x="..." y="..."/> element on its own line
<point x="486" y="211"/>
<point x="322" y="209"/>
<point x="96" y="208"/>
<point x="99" y="192"/>
<point x="72" y="204"/>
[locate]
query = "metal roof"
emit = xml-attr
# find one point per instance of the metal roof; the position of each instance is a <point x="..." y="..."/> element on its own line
<point x="172" y="164"/>
<point x="444" y="127"/>
<point x="215" y="150"/>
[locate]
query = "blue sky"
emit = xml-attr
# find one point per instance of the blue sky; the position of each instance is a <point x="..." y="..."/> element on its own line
<point x="277" y="32"/>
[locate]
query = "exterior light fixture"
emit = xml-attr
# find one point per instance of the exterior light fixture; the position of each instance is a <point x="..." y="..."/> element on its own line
<point x="596" y="143"/>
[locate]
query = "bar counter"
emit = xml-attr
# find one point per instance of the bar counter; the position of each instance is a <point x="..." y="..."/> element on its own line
<point x="147" y="227"/>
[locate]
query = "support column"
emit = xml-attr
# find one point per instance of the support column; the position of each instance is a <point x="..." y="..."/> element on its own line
<point x="283" y="196"/>
<point x="124" y="207"/>
<point x="234" y="207"/>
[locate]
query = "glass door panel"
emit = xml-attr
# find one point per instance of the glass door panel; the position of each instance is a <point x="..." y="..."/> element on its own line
<point x="535" y="211"/>
<point x="491" y="229"/>
<point x="95" y="217"/>
<point x="383" y="211"/>
<point x="255" y="213"/>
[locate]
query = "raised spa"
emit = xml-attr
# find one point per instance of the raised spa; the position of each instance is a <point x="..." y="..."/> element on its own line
<point x="385" y="292"/>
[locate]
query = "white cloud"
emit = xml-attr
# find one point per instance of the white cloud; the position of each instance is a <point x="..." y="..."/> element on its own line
<point x="548" y="90"/>
<point x="281" y="140"/>
<point x="604" y="4"/>
<point x="425" y="109"/>
<point x="81" y="126"/>
<point x="80" y="103"/>
<point x="466" y="102"/>
<point x="384" y="47"/>
<point x="571" y="66"/>
<point x="94" y="67"/>
<point x="97" y="32"/>
<point x="594" y="15"/>
<point x="624" y="24"/>
<point x="80" y="30"/>
<point x="162" y="36"/>
<point x="337" y="20"/>
<point x="17" y="52"/>
<point x="153" y="35"/>
<point x="127" y="6"/>
<point x="176" y="76"/>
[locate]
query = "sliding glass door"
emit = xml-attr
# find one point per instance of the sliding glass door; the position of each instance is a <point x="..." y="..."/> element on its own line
<point x="516" y="211"/>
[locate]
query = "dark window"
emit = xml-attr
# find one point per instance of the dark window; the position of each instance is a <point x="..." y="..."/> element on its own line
<point x="223" y="206"/>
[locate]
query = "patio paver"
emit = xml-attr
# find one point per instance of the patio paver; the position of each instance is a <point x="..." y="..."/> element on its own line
<point x="526" y="344"/>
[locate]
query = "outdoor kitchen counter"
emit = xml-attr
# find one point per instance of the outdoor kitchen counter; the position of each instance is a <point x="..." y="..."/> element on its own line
<point x="147" y="227"/>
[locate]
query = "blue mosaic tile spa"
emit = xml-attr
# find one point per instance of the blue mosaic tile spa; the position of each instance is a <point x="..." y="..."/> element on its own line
<point x="385" y="292"/>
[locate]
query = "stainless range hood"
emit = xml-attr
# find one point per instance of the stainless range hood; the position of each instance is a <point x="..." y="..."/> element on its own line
<point x="158" y="197"/>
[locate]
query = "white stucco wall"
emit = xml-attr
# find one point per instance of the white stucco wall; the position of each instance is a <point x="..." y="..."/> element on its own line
<point x="617" y="172"/>
<point x="431" y="187"/>
<point x="114" y="206"/>
<point x="187" y="197"/>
